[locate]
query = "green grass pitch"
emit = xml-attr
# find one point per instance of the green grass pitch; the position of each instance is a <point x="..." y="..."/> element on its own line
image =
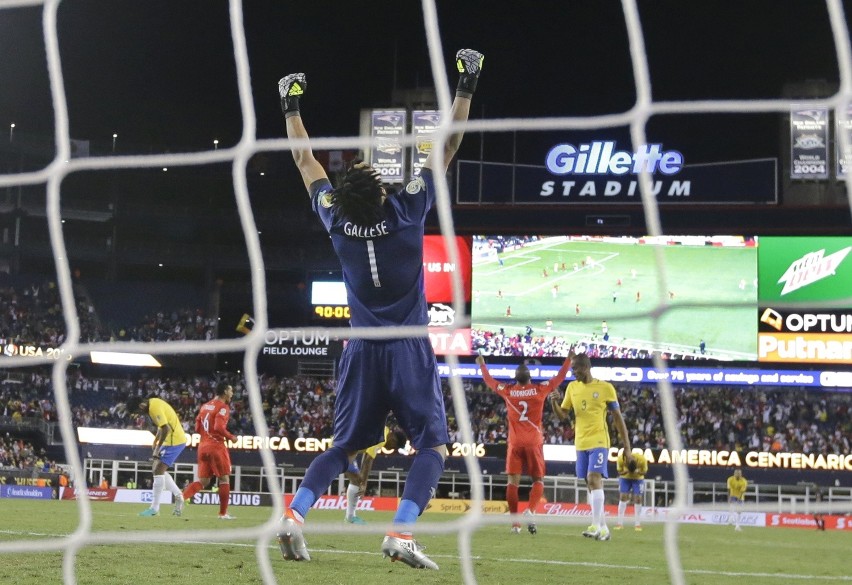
<point x="695" y="275"/>
<point x="711" y="555"/>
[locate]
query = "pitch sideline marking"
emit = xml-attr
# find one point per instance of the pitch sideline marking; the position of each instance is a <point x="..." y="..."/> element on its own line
<point x="493" y="560"/>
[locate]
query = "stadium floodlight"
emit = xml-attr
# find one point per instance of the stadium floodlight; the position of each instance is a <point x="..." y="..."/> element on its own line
<point x="114" y="136"/>
<point x="215" y="144"/>
<point x="116" y="358"/>
<point x="11" y="132"/>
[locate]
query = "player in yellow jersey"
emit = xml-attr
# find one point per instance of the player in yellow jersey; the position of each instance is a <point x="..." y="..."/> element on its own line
<point x="169" y="442"/>
<point x="631" y="487"/>
<point x="591" y="399"/>
<point x="359" y="475"/>
<point x="737" y="485"/>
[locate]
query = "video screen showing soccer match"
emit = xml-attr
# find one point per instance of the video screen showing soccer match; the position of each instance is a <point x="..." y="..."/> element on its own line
<point x="539" y="296"/>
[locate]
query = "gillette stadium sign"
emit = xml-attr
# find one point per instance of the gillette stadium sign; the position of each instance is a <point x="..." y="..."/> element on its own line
<point x="601" y="158"/>
<point x="600" y="171"/>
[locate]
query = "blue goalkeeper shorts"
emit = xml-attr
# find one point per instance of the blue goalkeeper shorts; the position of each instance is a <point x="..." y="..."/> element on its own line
<point x="377" y="377"/>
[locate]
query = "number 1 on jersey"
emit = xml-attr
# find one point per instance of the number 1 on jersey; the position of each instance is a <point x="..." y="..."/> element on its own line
<point x="374" y="268"/>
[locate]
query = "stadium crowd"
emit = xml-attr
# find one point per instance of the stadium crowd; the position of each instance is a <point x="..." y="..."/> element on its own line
<point x="32" y="314"/>
<point x="532" y="344"/>
<point x="710" y="417"/>
<point x="18" y="454"/>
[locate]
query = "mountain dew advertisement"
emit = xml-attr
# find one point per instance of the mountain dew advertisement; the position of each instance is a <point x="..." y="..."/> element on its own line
<point x="805" y="269"/>
<point x="815" y="273"/>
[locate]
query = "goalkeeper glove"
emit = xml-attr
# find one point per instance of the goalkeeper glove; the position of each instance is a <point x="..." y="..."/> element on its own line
<point x="290" y="88"/>
<point x="469" y="64"/>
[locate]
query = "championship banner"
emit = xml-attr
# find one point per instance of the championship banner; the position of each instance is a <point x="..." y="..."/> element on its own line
<point x="749" y="181"/>
<point x="816" y="274"/>
<point x="809" y="143"/>
<point x="423" y="125"/>
<point x="387" y="127"/>
<point x="843" y="156"/>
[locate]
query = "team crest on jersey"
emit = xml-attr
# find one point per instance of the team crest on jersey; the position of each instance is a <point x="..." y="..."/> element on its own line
<point x="415" y="186"/>
<point x="595" y="395"/>
<point x="223" y="411"/>
<point x="325" y="199"/>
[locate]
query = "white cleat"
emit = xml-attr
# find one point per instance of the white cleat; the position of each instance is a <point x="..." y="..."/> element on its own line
<point x="292" y="542"/>
<point x="407" y="551"/>
<point x="591" y="532"/>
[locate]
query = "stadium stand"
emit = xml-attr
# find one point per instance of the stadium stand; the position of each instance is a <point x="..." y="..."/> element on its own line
<point x="711" y="417"/>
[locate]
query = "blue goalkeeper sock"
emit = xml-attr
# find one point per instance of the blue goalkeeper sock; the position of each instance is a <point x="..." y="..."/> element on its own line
<point x="426" y="470"/>
<point x="319" y="476"/>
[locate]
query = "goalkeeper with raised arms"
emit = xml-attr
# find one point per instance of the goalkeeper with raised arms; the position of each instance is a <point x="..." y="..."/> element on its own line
<point x="378" y="237"/>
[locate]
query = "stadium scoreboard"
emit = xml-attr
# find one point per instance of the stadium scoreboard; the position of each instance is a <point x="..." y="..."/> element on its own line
<point x="326" y="312"/>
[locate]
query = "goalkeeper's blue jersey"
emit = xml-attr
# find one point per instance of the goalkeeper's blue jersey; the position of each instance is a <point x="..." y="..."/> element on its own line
<point x="382" y="263"/>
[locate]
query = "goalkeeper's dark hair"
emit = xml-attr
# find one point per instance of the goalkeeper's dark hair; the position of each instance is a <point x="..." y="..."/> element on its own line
<point x="631" y="467"/>
<point x="358" y="198"/>
<point x="221" y="388"/>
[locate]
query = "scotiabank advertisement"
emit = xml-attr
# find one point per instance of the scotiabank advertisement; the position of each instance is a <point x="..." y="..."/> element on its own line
<point x="804" y="307"/>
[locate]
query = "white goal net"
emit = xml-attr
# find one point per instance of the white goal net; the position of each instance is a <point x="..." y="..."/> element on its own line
<point x="636" y="119"/>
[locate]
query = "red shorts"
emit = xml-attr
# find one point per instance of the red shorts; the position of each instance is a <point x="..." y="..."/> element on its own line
<point x="213" y="461"/>
<point x="520" y="456"/>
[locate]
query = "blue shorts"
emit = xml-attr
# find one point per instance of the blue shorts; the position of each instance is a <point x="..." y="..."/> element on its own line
<point x="631" y="486"/>
<point x="170" y="453"/>
<point x="592" y="461"/>
<point x="377" y="377"/>
<point x="734" y="500"/>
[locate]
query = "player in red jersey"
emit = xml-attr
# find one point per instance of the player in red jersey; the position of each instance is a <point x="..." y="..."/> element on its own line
<point x="524" y="405"/>
<point x="213" y="457"/>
